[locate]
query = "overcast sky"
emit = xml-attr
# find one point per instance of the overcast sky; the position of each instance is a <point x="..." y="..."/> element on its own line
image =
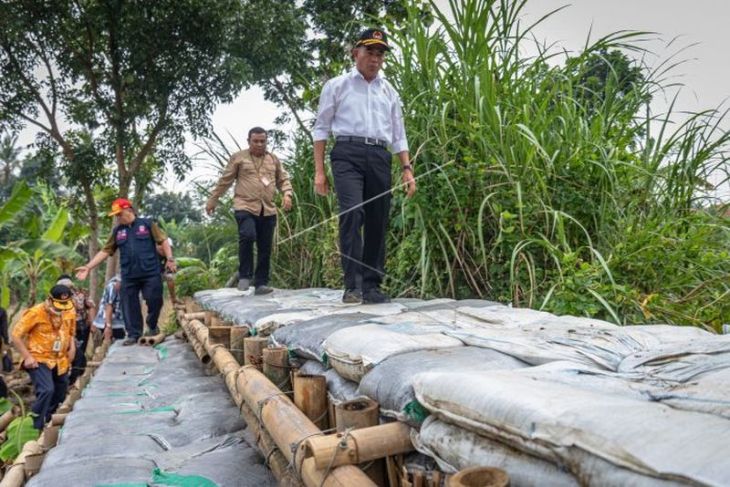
<point x="701" y="23"/>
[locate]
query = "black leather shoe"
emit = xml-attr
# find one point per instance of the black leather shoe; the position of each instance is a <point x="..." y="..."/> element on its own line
<point x="151" y="333"/>
<point x="374" y="296"/>
<point x="352" y="296"/>
<point x="129" y="341"/>
<point x="263" y="289"/>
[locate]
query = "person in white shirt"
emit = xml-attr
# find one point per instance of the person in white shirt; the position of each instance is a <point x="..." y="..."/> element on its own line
<point x="363" y="112"/>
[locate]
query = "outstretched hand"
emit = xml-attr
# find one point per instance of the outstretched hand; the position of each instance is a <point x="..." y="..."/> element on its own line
<point x="82" y="272"/>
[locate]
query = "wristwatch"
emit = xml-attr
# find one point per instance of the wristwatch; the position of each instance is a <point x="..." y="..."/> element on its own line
<point x="407" y="167"/>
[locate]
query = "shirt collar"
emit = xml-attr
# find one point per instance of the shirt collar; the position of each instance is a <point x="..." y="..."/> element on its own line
<point x="354" y="73"/>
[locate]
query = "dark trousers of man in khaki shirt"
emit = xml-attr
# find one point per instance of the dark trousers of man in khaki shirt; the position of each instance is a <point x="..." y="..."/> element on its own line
<point x="258" y="229"/>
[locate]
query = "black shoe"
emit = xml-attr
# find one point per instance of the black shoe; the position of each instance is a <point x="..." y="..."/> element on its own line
<point x="151" y="333"/>
<point x="352" y="296"/>
<point x="129" y="341"/>
<point x="374" y="296"/>
<point x="263" y="289"/>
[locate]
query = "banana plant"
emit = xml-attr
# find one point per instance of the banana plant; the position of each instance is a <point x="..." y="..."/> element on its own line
<point x="31" y="258"/>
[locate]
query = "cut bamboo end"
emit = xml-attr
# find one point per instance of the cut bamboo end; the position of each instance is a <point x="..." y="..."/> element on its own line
<point x="50" y="436"/>
<point x="220" y="335"/>
<point x="310" y="396"/>
<point x="479" y="477"/>
<point x="238" y="334"/>
<point x="33" y="463"/>
<point x="253" y="351"/>
<point x="276" y="366"/>
<point x="356" y="414"/>
<point x="359" y="446"/>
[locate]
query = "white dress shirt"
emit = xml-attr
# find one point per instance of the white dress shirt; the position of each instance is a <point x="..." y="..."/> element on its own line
<point x="349" y="105"/>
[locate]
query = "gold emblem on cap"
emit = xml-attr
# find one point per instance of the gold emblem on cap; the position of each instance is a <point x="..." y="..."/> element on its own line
<point x="377" y="35"/>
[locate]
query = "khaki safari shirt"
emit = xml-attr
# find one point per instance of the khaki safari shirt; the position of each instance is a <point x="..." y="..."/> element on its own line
<point x="158" y="235"/>
<point x="257" y="179"/>
<point x="43" y="329"/>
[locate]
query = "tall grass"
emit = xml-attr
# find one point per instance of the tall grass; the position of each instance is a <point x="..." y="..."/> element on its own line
<point x="548" y="190"/>
<point x="559" y="197"/>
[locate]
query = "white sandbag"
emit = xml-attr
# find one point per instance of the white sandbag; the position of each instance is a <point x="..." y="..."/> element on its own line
<point x="355" y="350"/>
<point x="307" y="338"/>
<point x="390" y="383"/>
<point x="693" y="374"/>
<point x="456" y="448"/>
<point x="266" y="325"/>
<point x="590" y="342"/>
<point x="582" y="429"/>
<point x="506" y="316"/>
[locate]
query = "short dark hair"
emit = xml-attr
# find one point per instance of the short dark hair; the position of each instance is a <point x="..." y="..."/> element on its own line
<point x="256" y="130"/>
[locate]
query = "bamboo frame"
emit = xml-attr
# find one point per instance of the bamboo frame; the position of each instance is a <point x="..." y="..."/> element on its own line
<point x="287" y="426"/>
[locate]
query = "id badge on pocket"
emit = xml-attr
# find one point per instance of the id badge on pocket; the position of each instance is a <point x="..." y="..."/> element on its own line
<point x="57" y="345"/>
<point x="265" y="181"/>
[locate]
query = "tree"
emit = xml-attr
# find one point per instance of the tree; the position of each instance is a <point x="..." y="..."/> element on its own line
<point x="171" y="206"/>
<point x="325" y="51"/>
<point x="35" y="255"/>
<point x="131" y="77"/>
<point x="9" y="158"/>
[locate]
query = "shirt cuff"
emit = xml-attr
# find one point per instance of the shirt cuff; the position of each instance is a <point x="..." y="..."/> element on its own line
<point x="399" y="147"/>
<point x="318" y="135"/>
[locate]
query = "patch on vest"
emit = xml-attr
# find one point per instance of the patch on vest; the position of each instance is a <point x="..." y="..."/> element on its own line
<point x="142" y="231"/>
<point x="122" y="235"/>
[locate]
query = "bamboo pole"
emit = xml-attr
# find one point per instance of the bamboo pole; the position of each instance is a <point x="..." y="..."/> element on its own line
<point x="58" y="419"/>
<point x="310" y="396"/>
<point x="212" y="319"/>
<point x="287" y="425"/>
<point x="253" y="350"/>
<point x="479" y="477"/>
<point x="238" y="333"/>
<point x="362" y="413"/>
<point x="191" y="306"/>
<point x="151" y="341"/>
<point x="15" y="475"/>
<point x="359" y="446"/>
<point x="276" y="366"/>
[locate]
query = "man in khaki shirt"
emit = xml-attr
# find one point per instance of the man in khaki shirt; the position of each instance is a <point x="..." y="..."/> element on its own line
<point x="257" y="174"/>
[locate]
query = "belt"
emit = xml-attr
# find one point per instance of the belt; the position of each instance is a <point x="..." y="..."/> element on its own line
<point x="362" y="140"/>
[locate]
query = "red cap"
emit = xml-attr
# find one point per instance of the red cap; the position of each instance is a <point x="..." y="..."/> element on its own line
<point x="118" y="205"/>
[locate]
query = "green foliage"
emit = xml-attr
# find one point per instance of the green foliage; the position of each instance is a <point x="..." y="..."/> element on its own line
<point x="5" y="405"/>
<point x="190" y="280"/>
<point x="19" y="432"/>
<point x="172" y="206"/>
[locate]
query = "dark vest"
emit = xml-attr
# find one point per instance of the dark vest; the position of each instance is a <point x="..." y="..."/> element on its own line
<point x="137" y="250"/>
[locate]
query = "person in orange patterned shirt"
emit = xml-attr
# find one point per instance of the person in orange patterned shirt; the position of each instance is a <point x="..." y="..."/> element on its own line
<point x="45" y="338"/>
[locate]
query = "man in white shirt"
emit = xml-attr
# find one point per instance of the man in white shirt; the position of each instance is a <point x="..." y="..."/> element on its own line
<point x="363" y="112"/>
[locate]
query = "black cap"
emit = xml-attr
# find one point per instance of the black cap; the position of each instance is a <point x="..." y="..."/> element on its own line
<point x="374" y="38"/>
<point x="61" y="297"/>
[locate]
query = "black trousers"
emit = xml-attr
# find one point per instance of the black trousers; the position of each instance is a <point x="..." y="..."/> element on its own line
<point x="50" y="389"/>
<point x="258" y="229"/>
<point x="362" y="172"/>
<point x="78" y="366"/>
<point x="151" y="288"/>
